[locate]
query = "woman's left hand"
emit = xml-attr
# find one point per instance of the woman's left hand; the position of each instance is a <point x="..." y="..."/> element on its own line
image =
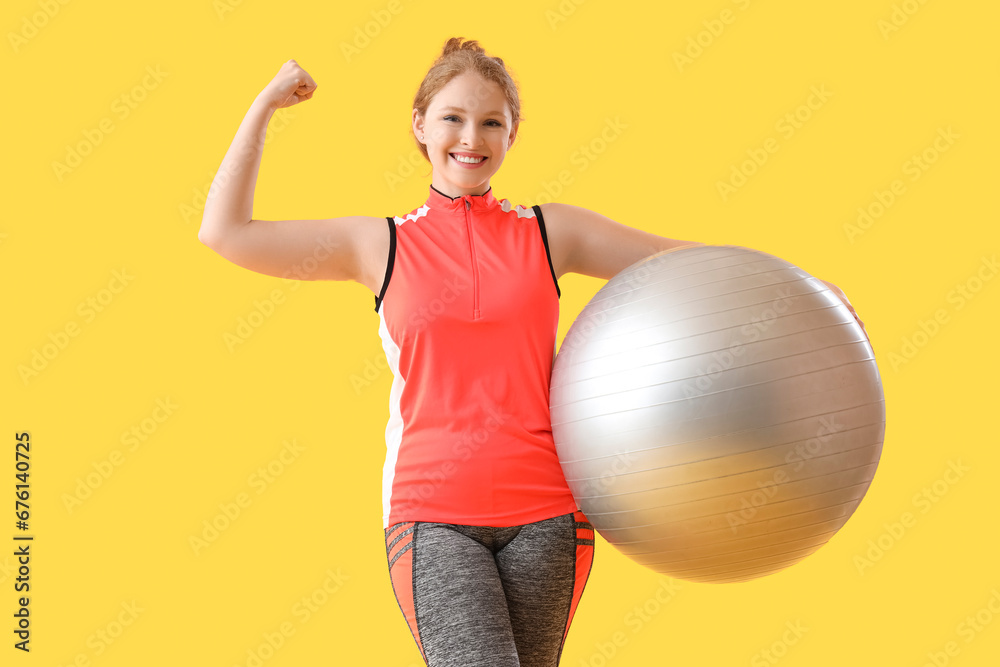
<point x="843" y="297"/>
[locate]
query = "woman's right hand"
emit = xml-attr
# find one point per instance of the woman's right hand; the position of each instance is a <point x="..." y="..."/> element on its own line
<point x="291" y="85"/>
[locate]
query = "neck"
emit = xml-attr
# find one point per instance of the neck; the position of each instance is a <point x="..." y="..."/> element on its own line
<point x="455" y="193"/>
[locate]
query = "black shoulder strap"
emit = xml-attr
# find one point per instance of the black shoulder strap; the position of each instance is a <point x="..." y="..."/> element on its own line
<point x="389" y="263"/>
<point x="545" y="239"/>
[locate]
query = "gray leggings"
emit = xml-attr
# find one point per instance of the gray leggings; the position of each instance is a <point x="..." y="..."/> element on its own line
<point x="486" y="596"/>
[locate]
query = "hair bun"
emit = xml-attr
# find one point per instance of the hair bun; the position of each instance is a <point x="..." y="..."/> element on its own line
<point x="456" y="44"/>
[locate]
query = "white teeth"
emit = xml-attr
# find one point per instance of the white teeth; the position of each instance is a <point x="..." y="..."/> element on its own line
<point x="468" y="160"/>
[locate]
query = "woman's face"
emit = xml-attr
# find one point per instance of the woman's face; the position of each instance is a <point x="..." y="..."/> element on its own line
<point x="467" y="118"/>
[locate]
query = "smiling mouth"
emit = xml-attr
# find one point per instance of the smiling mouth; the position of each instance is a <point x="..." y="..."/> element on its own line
<point x="467" y="160"/>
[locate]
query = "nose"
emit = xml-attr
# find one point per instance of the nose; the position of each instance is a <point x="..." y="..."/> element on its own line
<point x="471" y="136"/>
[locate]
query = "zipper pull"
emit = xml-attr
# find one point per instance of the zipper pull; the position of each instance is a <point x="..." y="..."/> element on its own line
<point x="468" y="204"/>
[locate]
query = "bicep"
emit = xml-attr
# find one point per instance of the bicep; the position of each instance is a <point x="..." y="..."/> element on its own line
<point x="595" y="245"/>
<point x="325" y="249"/>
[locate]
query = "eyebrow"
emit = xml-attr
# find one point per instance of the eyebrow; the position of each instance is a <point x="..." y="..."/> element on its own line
<point x="488" y="113"/>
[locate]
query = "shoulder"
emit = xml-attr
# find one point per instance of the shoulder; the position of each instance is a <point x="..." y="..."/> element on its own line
<point x="554" y="211"/>
<point x="556" y="217"/>
<point x="559" y="233"/>
<point x="559" y="218"/>
<point x="567" y="217"/>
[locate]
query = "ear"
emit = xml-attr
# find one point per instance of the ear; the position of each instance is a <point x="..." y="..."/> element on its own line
<point x="513" y="136"/>
<point x="418" y="125"/>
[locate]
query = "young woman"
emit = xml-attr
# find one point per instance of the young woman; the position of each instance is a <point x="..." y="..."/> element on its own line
<point x="488" y="553"/>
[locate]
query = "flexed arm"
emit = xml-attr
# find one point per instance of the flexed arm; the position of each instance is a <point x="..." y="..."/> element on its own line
<point x="334" y="246"/>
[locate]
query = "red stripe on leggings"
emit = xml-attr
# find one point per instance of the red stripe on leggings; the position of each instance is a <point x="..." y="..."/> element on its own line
<point x="398" y="546"/>
<point x="401" y="575"/>
<point x="584" y="561"/>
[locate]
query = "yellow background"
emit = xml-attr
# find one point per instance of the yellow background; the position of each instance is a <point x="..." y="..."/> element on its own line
<point x="133" y="204"/>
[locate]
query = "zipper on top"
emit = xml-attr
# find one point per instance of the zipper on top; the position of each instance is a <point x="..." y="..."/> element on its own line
<point x="475" y="266"/>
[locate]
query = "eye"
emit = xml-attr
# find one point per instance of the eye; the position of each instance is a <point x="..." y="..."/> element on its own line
<point x="447" y="117"/>
<point x="496" y="123"/>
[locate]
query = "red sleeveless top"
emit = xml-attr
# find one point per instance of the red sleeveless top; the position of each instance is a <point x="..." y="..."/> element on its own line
<point x="468" y="313"/>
